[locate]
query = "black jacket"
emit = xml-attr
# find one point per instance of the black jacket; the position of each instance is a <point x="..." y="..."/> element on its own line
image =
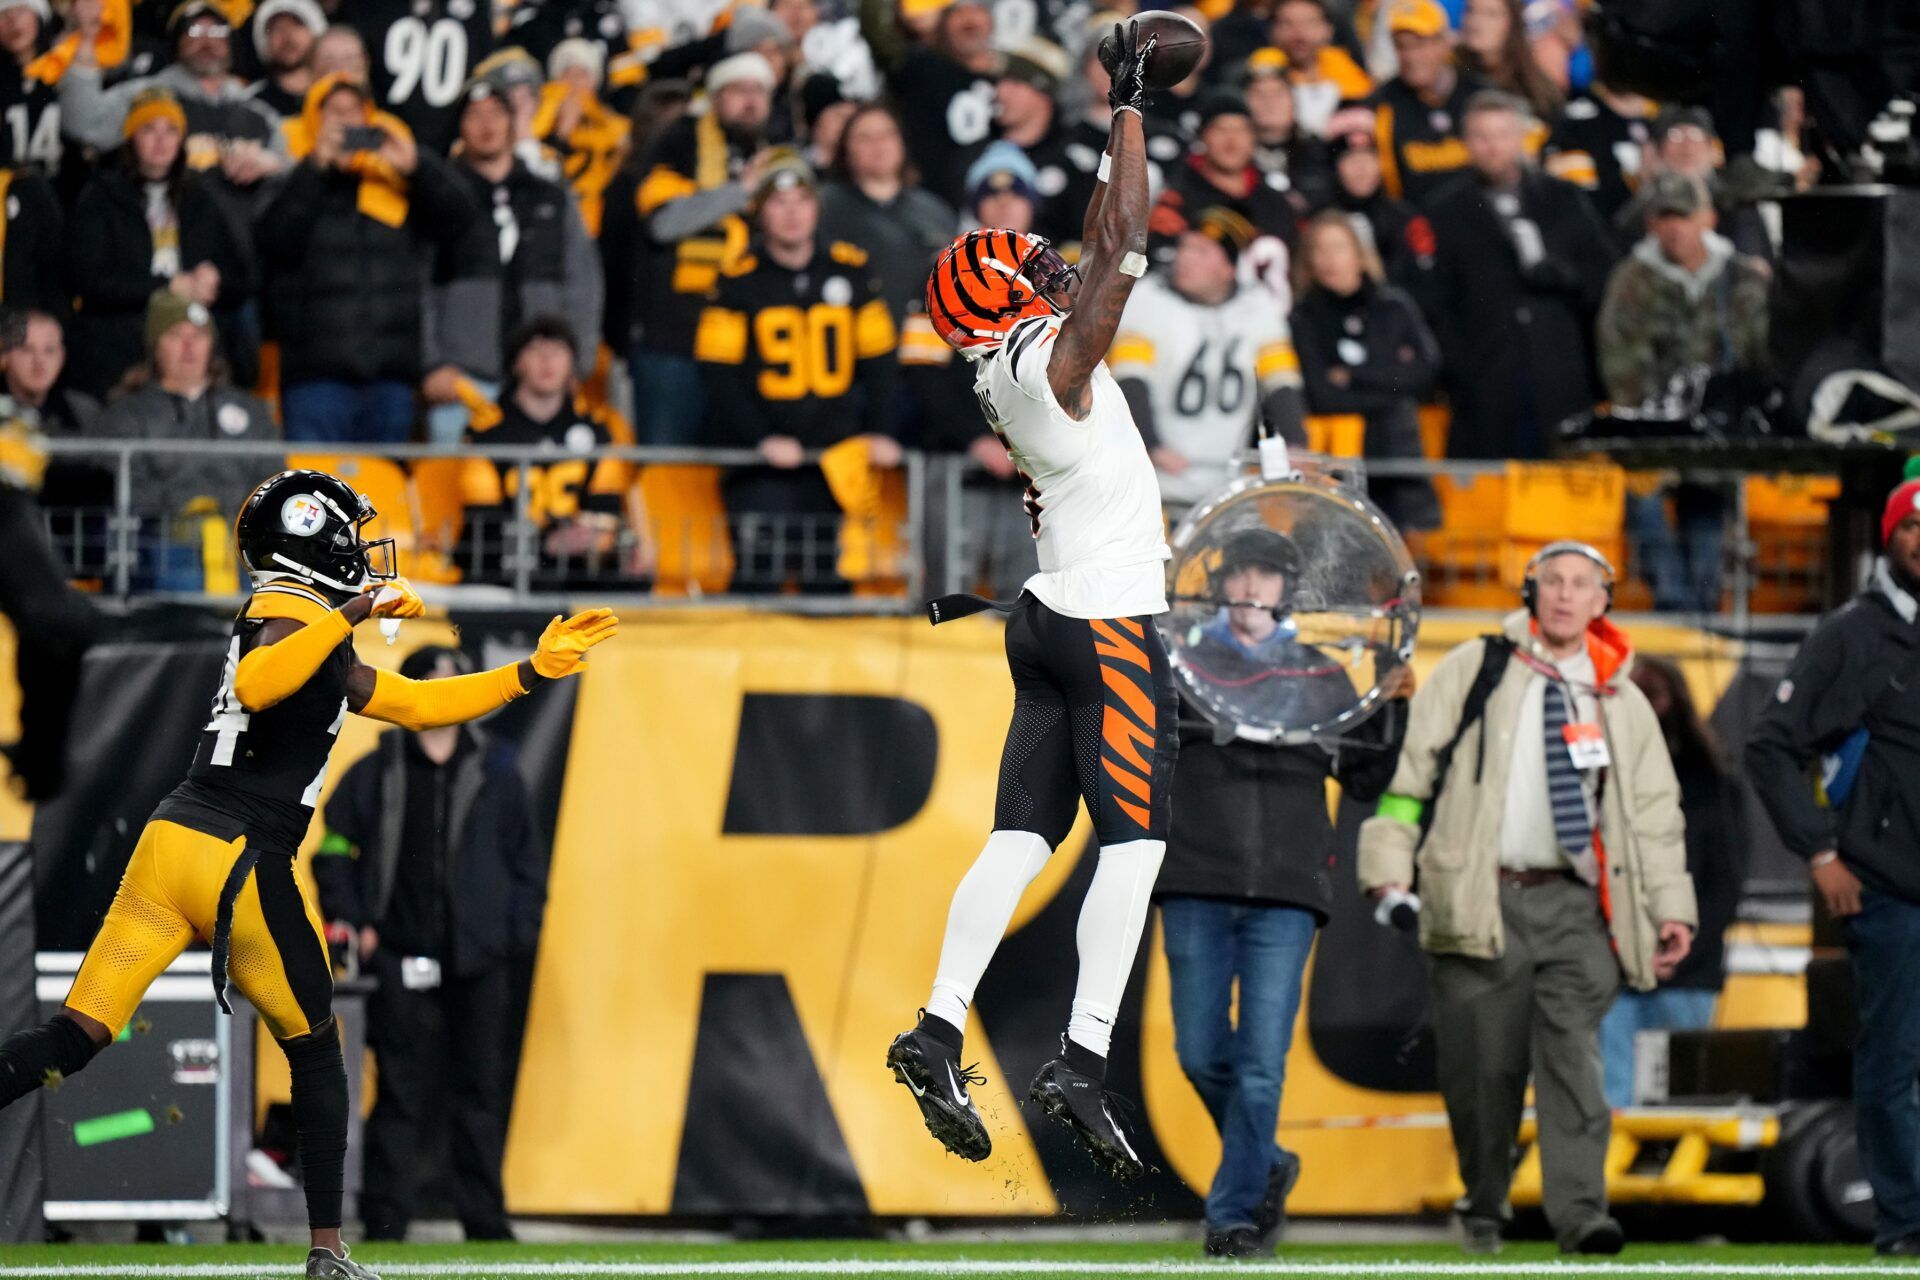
<point x="1390" y="357"/>
<point x="31" y="221"/>
<point x="1516" y="345"/>
<point x="110" y="266"/>
<point x="345" y="291"/>
<point x="499" y="871"/>
<point x="1860" y="669"/>
<point x="1250" y="822"/>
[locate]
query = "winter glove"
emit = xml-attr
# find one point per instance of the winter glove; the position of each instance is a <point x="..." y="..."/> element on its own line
<point x="563" y="646"/>
<point x="1125" y="60"/>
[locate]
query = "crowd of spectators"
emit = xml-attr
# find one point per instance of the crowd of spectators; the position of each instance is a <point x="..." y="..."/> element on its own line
<point x="731" y="210"/>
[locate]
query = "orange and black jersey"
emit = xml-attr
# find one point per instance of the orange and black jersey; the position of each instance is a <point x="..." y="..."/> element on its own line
<point x="574" y="482"/>
<point x="259" y="773"/>
<point x="807" y="353"/>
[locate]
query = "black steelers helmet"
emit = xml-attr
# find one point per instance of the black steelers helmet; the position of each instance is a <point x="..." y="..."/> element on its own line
<point x="306" y="525"/>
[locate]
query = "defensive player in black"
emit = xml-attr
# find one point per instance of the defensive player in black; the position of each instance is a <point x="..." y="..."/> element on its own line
<point x="216" y="858"/>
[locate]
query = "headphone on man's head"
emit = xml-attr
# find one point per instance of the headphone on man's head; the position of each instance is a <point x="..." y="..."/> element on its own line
<point x="1530" y="586"/>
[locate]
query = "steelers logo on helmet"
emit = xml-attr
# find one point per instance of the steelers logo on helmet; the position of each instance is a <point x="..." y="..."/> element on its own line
<point x="302" y="514"/>
<point x="1292" y="600"/>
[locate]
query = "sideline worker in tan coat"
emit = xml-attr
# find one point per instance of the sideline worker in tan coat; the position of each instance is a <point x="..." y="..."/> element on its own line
<point x="1553" y="862"/>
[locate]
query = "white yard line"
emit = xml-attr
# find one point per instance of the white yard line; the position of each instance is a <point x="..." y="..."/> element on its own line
<point x="986" y="1267"/>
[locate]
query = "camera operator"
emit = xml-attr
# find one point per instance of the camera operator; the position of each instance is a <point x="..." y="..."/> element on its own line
<point x="1536" y="800"/>
<point x="1245" y="883"/>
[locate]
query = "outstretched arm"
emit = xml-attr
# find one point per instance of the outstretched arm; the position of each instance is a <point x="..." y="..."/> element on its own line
<point x="1113" y="243"/>
<point x="429" y="704"/>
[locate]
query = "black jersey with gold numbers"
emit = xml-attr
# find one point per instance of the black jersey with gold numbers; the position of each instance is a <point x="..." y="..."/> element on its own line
<point x="259" y="773"/>
<point x="806" y="353"/>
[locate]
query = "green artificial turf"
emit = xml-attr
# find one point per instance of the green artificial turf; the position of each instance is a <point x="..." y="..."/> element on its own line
<point x="765" y="1261"/>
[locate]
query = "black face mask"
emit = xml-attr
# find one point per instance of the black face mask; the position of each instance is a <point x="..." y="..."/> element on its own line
<point x="1050" y="275"/>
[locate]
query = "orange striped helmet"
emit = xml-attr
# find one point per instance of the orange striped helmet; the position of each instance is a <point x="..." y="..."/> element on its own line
<point x="989" y="280"/>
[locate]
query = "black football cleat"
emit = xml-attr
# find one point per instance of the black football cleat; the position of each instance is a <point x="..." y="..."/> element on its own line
<point x="939" y="1084"/>
<point x="1084" y="1106"/>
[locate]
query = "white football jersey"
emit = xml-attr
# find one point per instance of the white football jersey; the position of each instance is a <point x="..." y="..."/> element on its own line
<point x="1091" y="491"/>
<point x="1207" y="369"/>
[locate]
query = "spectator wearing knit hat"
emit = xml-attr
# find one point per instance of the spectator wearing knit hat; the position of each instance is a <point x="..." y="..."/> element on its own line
<point x="1854" y="689"/>
<point x="145" y="222"/>
<point x="530" y="256"/>
<point x="284" y="34"/>
<point x="346" y="242"/>
<point x="1685" y="143"/>
<point x="1219" y="172"/>
<point x="225" y="127"/>
<point x="588" y="137"/>
<point x="698" y="179"/>
<point x="1280" y="145"/>
<point x="183" y="393"/>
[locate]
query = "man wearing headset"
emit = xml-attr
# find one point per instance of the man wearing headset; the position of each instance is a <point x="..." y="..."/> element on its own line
<point x="1536" y="815"/>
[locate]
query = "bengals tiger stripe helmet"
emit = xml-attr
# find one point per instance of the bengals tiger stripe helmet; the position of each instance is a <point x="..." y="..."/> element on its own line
<point x="989" y="280"/>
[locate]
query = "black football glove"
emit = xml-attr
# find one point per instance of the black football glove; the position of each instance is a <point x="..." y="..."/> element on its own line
<point x="1125" y="60"/>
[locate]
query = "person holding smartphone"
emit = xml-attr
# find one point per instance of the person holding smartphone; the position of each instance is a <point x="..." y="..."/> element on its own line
<point x="345" y="242"/>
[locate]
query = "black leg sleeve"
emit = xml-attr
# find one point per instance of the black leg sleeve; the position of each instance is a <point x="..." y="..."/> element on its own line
<point x="51" y="1051"/>
<point x="320" y="1119"/>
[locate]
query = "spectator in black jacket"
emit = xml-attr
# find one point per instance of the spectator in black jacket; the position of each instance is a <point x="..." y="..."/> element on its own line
<point x="1518" y="269"/>
<point x="346" y="241"/>
<point x="1245" y="886"/>
<point x="1365" y="350"/>
<point x="1420" y="111"/>
<point x="532" y="257"/>
<point x="945" y="88"/>
<point x="432" y="866"/>
<point x="144" y="223"/>
<point x="1717" y="849"/>
<point x="77" y="492"/>
<point x="1219" y="172"/>
<point x="32" y="273"/>
<point x="1854" y="689"/>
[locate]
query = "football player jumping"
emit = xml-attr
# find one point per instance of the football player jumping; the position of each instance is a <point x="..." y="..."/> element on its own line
<point x="1094" y="705"/>
<point x="215" y="860"/>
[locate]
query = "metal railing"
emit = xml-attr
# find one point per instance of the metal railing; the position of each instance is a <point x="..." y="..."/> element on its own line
<point x="958" y="529"/>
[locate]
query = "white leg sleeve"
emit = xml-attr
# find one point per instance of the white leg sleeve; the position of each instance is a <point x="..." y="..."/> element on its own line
<point x="1111" y="921"/>
<point x="982" y="908"/>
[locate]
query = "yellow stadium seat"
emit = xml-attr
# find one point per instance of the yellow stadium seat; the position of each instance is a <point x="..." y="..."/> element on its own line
<point x="694" y="553"/>
<point x="1338" y="435"/>
<point x="1786" y="520"/>
<point x="437" y="497"/>
<point x="1547" y="501"/>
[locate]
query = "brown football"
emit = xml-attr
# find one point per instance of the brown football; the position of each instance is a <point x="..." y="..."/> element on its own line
<point x="1178" y="46"/>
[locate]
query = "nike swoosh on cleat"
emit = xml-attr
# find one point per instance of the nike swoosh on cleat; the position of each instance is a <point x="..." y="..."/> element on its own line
<point x="959" y="1094"/>
<point x="918" y="1092"/>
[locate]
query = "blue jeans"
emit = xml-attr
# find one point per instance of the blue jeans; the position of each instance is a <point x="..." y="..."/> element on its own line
<point x="1238" y="1071"/>
<point x="669" y="399"/>
<point x="1681" y="566"/>
<point x="1668" y="1009"/>
<point x="1883" y="943"/>
<point x="328" y="412"/>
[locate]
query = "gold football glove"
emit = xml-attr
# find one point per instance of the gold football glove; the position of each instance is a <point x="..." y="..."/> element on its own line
<point x="395" y="598"/>
<point x="564" y="644"/>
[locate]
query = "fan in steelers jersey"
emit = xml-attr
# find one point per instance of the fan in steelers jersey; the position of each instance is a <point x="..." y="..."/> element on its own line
<point x="1204" y="360"/>
<point x="1094" y="714"/>
<point x="215" y="860"/>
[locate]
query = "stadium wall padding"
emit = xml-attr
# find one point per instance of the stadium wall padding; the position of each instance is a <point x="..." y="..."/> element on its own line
<point x="756" y="823"/>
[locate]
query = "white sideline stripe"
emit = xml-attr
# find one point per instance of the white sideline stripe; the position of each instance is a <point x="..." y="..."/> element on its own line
<point x="985" y="1267"/>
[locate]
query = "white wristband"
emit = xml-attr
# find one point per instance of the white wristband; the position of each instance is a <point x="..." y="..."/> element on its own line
<point x="1133" y="265"/>
<point x="1822" y="858"/>
<point x="1135" y="110"/>
<point x="1106" y="167"/>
